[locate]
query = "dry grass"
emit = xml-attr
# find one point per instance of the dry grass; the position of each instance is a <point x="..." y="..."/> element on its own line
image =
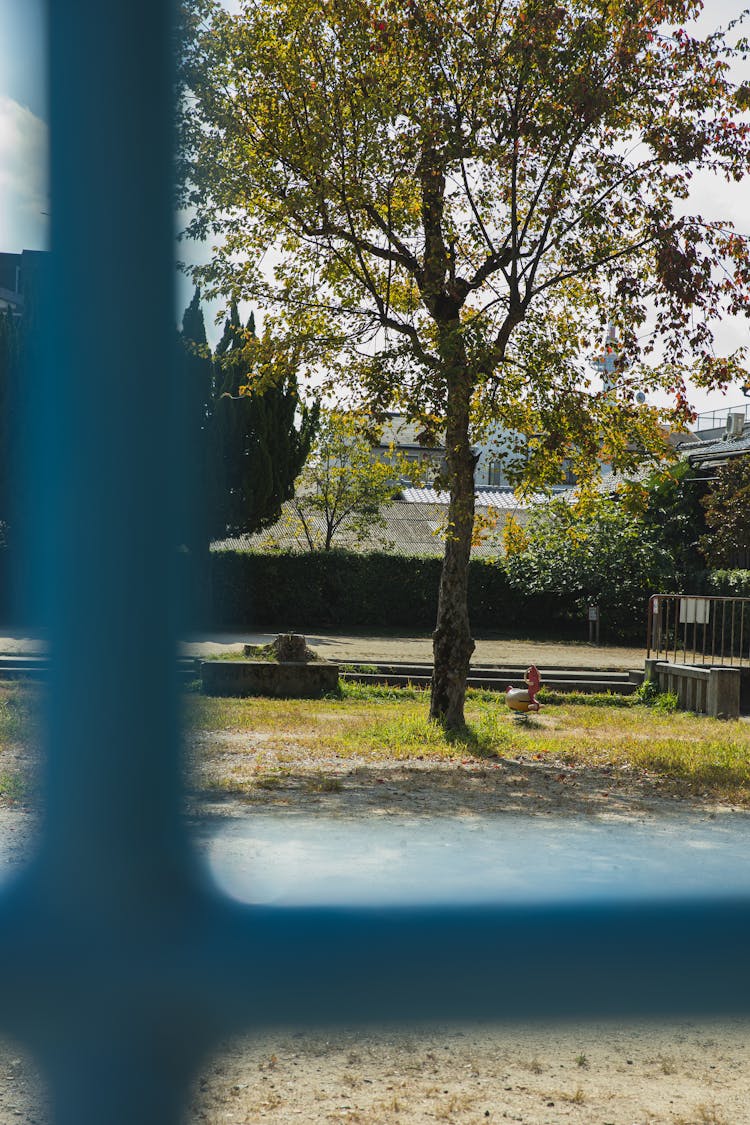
<point x="703" y="1115"/>
<point x="576" y="1098"/>
<point x="250" y="746"/>
<point x="667" y="1064"/>
<point x="705" y="757"/>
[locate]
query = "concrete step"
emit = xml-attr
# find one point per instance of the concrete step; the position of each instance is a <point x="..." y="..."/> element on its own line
<point x="393" y="674"/>
<point x="486" y="671"/>
<point x="587" y="685"/>
<point x="22" y="666"/>
<point x="404" y="666"/>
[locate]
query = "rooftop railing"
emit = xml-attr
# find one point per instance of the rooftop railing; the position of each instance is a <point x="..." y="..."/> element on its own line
<point x="717" y="419"/>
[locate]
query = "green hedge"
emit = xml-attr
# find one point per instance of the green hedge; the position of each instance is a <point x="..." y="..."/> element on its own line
<point x="729" y="583"/>
<point x="346" y="590"/>
<point x="340" y="589"/>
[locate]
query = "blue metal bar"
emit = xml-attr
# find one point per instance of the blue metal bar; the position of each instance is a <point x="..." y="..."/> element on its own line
<point x="105" y="905"/>
<point x="105" y="535"/>
<point x="116" y="964"/>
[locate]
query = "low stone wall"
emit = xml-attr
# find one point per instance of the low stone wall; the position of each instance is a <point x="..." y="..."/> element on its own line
<point x="290" y="680"/>
<point x="705" y="689"/>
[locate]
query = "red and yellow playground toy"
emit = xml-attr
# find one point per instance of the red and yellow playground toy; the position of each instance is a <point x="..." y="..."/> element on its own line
<point x="523" y="700"/>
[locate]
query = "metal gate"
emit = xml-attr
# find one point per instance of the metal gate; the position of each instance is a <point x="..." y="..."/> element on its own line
<point x="119" y="967"/>
<point x="698" y="629"/>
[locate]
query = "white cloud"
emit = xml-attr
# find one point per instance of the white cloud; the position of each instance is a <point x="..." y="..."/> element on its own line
<point x="24" y="196"/>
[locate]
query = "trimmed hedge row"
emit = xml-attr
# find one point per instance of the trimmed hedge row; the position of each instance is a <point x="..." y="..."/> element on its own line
<point x="341" y="590"/>
<point x="347" y="590"/>
<point x="338" y="589"/>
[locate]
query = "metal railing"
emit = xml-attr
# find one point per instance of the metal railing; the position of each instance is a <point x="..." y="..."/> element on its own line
<point x="698" y="629"/>
<point x="717" y="419"/>
<point x="120" y="967"/>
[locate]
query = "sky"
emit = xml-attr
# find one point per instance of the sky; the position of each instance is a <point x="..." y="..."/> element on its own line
<point x="23" y="131"/>
<point x="24" y="206"/>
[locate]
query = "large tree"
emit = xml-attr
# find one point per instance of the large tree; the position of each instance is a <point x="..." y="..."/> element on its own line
<point x="8" y="367"/>
<point x="15" y="342"/>
<point x="727" y="509"/>
<point x="450" y="200"/>
<point x="197" y="392"/>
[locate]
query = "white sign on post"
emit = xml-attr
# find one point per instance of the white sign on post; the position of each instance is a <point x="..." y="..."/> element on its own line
<point x="695" y="611"/>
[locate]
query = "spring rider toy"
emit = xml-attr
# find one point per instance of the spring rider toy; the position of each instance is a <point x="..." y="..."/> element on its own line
<point x="523" y="700"/>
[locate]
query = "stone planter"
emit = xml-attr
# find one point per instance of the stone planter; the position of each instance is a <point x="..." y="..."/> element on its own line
<point x="290" y="680"/>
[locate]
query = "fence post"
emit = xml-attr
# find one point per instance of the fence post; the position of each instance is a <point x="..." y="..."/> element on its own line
<point x="723" y="694"/>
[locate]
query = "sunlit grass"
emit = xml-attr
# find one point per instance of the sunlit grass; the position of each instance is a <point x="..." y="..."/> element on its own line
<point x="705" y="756"/>
<point x="18" y="711"/>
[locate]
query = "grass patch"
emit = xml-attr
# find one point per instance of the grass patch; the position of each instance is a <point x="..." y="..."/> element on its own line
<point x="704" y="756"/>
<point x="414" y="734"/>
<point x="259" y="652"/>
<point x="350" y="689"/>
<point x="18" y="711"/>
<point x="321" y="783"/>
<point x="585" y="699"/>
<point x="12" y="787"/>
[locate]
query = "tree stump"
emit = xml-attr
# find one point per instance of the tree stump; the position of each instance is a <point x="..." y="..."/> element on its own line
<point x="291" y="648"/>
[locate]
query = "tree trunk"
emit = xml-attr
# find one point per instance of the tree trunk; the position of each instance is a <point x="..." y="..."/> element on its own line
<point x="452" y="640"/>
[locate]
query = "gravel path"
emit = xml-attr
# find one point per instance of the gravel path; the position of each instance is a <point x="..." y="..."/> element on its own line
<point x="418" y="647"/>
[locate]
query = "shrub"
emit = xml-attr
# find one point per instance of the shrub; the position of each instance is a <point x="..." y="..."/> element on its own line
<point x="596" y="552"/>
<point x="729" y="583"/>
<point x="343" y="589"/>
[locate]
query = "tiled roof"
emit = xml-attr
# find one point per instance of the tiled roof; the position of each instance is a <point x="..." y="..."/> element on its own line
<point x="502" y="499"/>
<point x="412" y="528"/>
<point x="697" y="451"/>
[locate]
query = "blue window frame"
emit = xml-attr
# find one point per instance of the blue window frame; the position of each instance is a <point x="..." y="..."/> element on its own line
<point x="119" y="966"/>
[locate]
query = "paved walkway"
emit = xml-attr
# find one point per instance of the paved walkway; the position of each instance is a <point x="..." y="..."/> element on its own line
<point x="415" y="647"/>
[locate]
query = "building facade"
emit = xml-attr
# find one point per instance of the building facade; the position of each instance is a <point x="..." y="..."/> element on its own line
<point x="18" y="279"/>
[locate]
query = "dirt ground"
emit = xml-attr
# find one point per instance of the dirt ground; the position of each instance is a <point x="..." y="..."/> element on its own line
<point x="691" y="1073"/>
<point x="489" y="649"/>
<point x="593" y="1074"/>
<point x="687" y="1074"/>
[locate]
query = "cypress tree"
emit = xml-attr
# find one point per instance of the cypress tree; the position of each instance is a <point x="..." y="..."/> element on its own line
<point x="259" y="448"/>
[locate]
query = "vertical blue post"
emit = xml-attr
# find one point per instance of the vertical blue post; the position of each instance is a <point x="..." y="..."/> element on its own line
<point x="108" y="896"/>
<point x="104" y="544"/>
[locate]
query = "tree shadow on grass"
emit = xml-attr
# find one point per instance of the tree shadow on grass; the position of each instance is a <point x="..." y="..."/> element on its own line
<point x="475" y="742"/>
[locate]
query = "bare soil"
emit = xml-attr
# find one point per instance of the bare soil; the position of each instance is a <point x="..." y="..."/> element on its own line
<point x="418" y="648"/>
<point x="687" y="1074"/>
